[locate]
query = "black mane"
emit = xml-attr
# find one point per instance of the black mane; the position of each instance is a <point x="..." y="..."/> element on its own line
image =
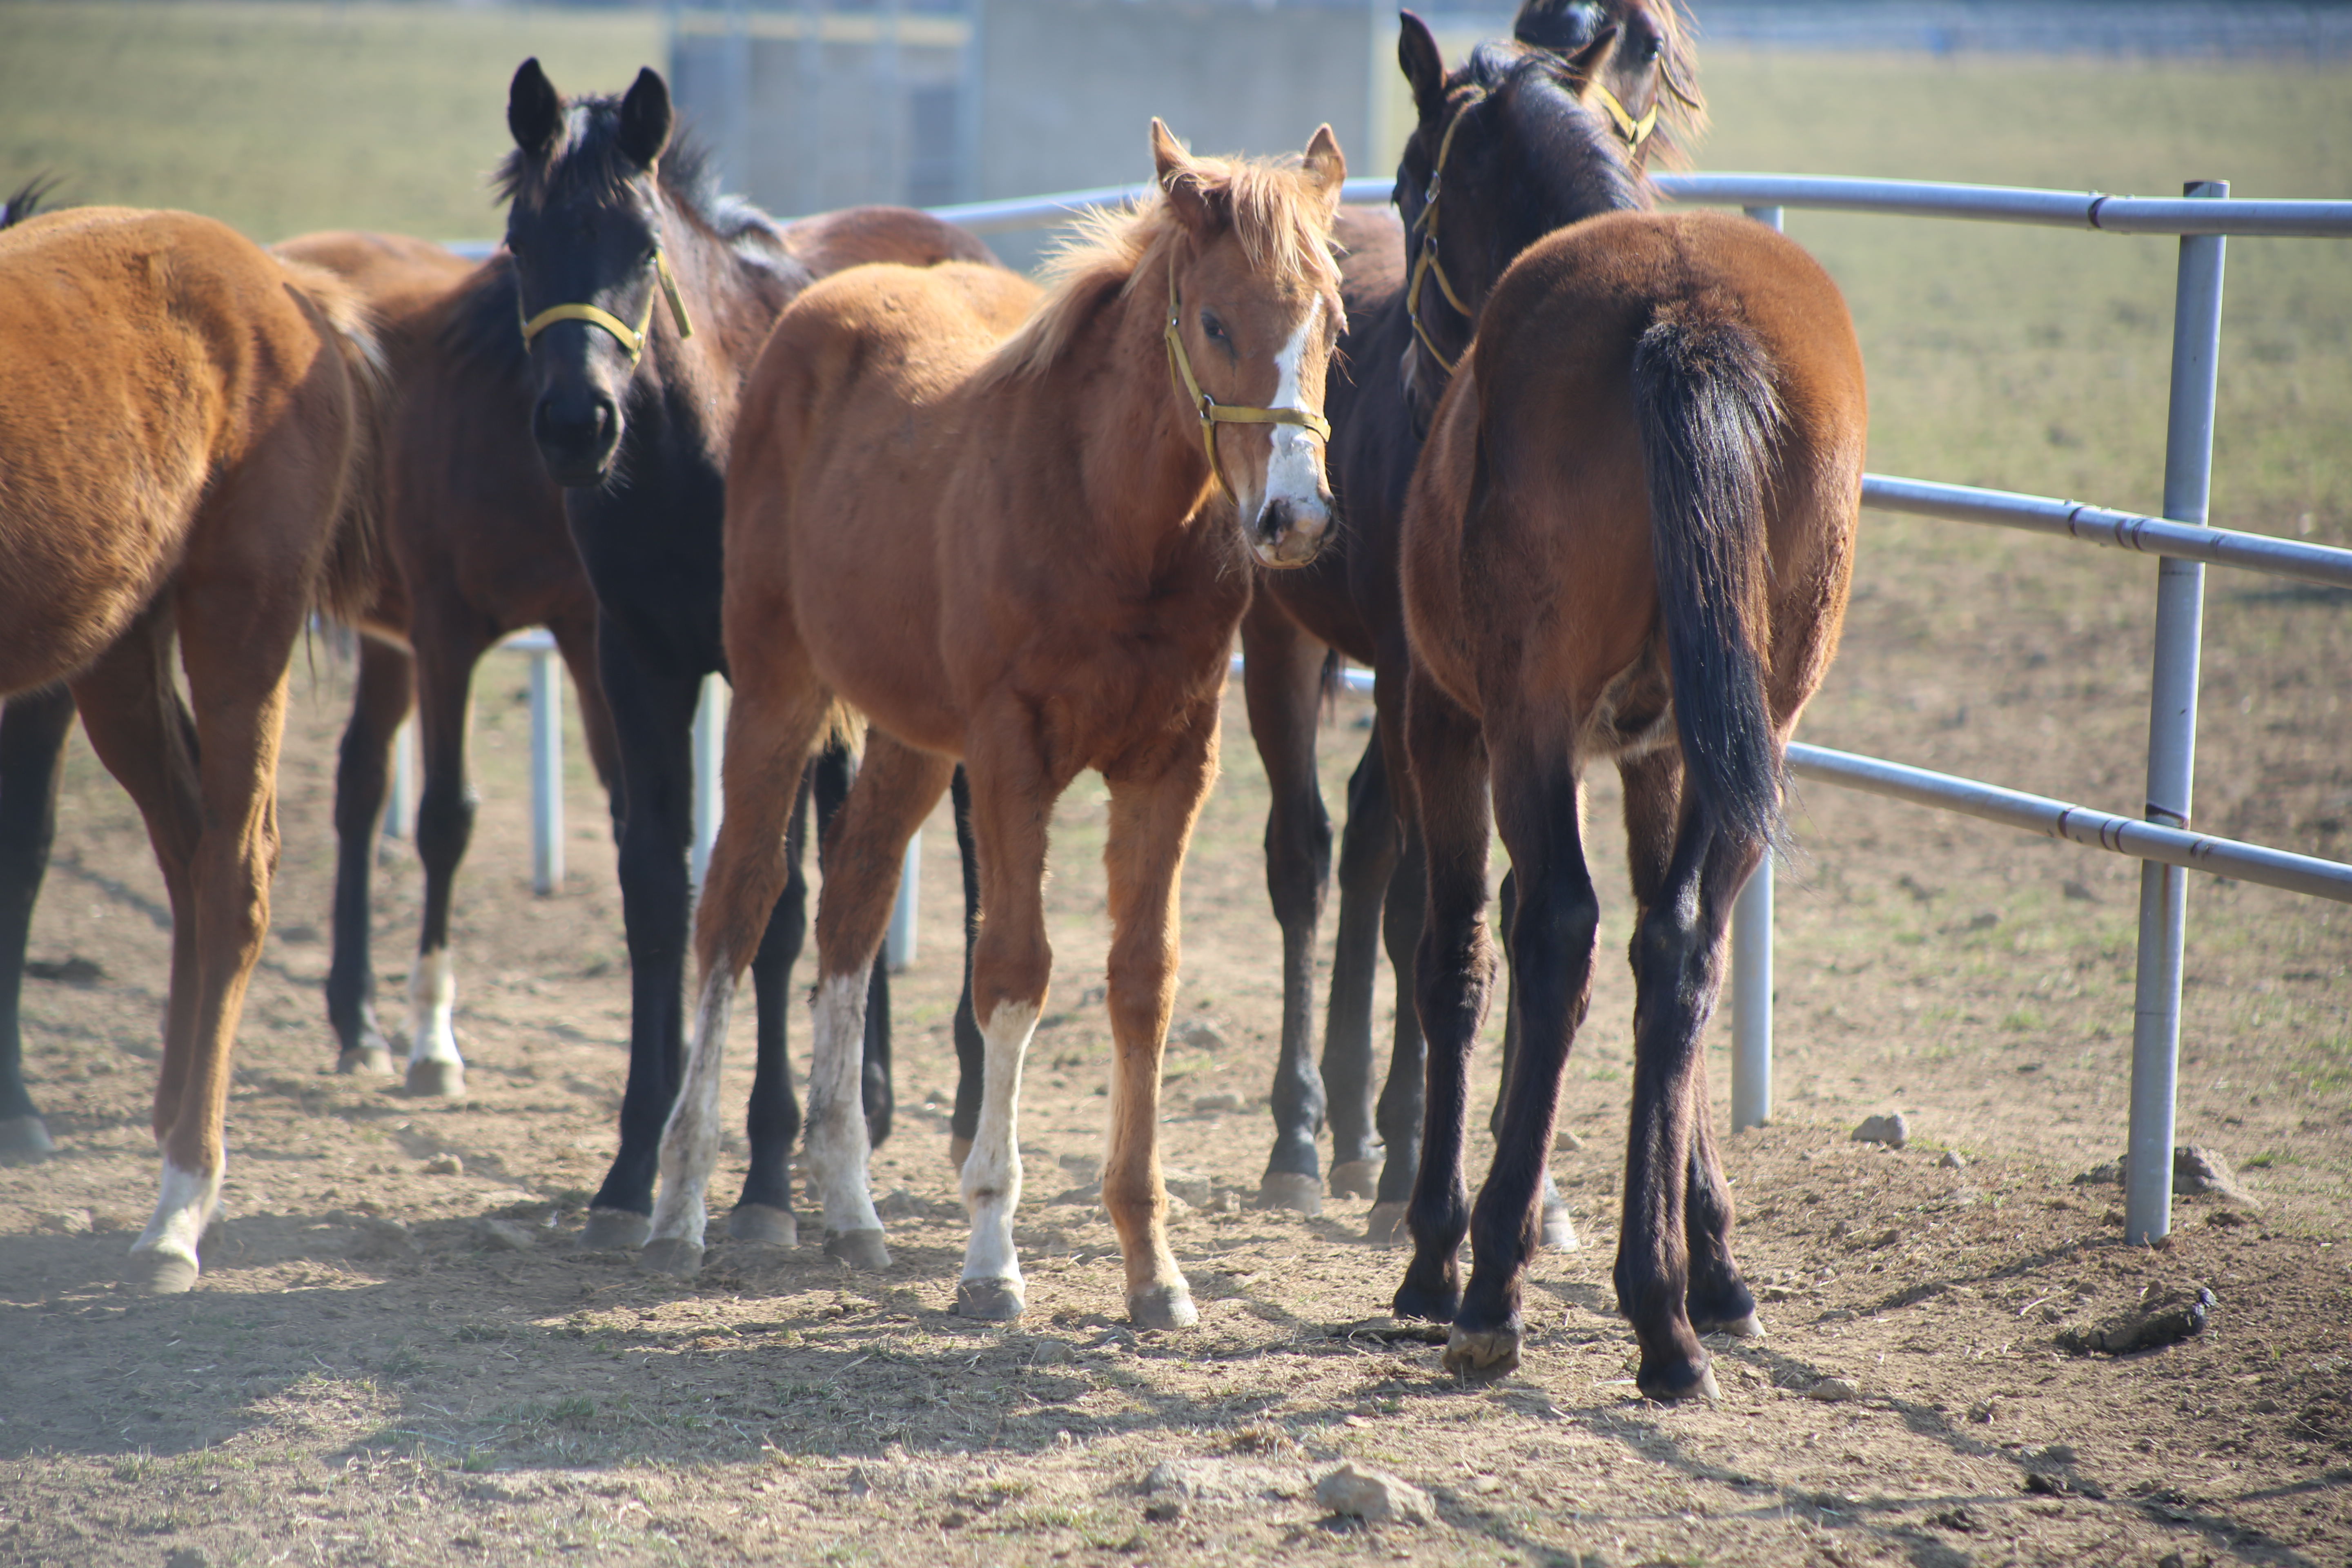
<point x="588" y="164"/>
<point x="1570" y="162"/>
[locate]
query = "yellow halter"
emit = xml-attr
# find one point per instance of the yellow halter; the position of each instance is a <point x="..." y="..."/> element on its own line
<point x="632" y="339"/>
<point x="1426" y="263"/>
<point x="1213" y="413"/>
<point x="1634" y="131"/>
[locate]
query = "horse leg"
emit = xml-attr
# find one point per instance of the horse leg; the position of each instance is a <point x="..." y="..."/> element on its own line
<point x="575" y="638"/>
<point x="1369" y="846"/>
<point x="972" y="1051"/>
<point x="1559" y="1226"/>
<point x="774" y="719"/>
<point x="445" y="653"/>
<point x="33" y="727"/>
<point x="1453" y="974"/>
<point x="378" y="706"/>
<point x="1011" y="963"/>
<point x="1717" y="1298"/>
<point x="772" y="1122"/>
<point x="1283" y="681"/>
<point x="830" y="773"/>
<point x="139" y="728"/>
<point x="1678" y="971"/>
<point x="1554" y="927"/>
<point x="654" y="711"/>
<point x="863" y="853"/>
<point x="1151" y="824"/>
<point x="1400" y="1116"/>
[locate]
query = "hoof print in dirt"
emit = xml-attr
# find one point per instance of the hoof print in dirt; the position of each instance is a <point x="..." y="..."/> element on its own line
<point x="1891" y="1130"/>
<point x="989" y="1301"/>
<point x="1373" y="1496"/>
<point x="861" y="1250"/>
<point x="2166" y="1316"/>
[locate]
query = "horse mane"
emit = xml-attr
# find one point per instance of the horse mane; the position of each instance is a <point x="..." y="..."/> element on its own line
<point x="1279" y="224"/>
<point x="1567" y="25"/>
<point x="1568" y="148"/>
<point x="27" y="199"/>
<point x="587" y="164"/>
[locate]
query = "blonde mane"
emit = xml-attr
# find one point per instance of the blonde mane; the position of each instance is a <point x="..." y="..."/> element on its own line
<point x="1277" y="217"/>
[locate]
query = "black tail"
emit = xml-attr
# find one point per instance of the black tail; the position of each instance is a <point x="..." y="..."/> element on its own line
<point x="27" y="200"/>
<point x="1702" y="394"/>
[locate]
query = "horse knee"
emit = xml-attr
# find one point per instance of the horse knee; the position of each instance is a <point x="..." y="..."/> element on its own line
<point x="445" y="825"/>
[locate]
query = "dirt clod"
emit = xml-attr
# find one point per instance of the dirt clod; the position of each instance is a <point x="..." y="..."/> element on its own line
<point x="1373" y="1496"/>
<point x="444" y="1165"/>
<point x="1834" y="1391"/>
<point x="2166" y="1316"/>
<point x="1892" y="1131"/>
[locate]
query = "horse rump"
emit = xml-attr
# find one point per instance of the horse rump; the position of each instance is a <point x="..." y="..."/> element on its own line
<point x="1705" y="400"/>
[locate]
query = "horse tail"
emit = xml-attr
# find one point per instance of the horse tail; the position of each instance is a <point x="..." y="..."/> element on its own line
<point x="347" y="578"/>
<point x="1702" y="394"/>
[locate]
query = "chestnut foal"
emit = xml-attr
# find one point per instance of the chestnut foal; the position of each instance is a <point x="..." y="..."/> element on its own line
<point x="1628" y="540"/>
<point x="984" y="520"/>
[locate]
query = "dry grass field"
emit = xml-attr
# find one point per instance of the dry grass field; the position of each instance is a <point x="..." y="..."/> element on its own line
<point x="369" y="1374"/>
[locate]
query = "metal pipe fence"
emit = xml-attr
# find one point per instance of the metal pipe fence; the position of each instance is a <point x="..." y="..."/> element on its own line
<point x="2181" y="538"/>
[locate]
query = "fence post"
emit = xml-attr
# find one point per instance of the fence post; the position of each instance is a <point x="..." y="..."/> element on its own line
<point x="709" y="745"/>
<point x="546" y="770"/>
<point x="1751" y="957"/>
<point x="400" y="794"/>
<point x="899" y="942"/>
<point x="2172" y="733"/>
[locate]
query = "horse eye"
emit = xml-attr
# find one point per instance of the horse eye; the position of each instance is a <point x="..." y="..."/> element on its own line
<point x="1214" y="328"/>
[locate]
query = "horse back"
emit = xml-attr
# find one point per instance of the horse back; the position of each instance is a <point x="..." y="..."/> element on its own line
<point x="160" y="369"/>
<point x="856" y="237"/>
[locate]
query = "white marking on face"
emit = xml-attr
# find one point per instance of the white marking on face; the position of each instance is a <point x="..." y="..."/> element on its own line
<point x="1294" y="476"/>
<point x="432" y="1008"/>
<point x="837" y="1112"/>
<point x="183" y="1210"/>
<point x="992" y="1172"/>
<point x="689" y="1144"/>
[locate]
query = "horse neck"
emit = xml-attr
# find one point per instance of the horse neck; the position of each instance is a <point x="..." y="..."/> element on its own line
<point x="1144" y="464"/>
<point x="731" y="299"/>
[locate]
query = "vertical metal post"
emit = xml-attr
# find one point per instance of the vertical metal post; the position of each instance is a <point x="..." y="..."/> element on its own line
<point x="546" y="770"/>
<point x="813" y="151"/>
<point x="2172" y="733"/>
<point x="899" y="942"/>
<point x="710" y="747"/>
<point x="1751" y="957"/>
<point x="400" y="794"/>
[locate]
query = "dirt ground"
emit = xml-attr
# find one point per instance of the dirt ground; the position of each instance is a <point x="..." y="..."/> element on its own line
<point x="339" y="1389"/>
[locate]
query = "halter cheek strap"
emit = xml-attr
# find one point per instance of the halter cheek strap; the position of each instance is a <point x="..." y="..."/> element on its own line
<point x="1213" y="413"/>
<point x="1634" y="131"/>
<point x="631" y="339"/>
<point x="1426" y="263"/>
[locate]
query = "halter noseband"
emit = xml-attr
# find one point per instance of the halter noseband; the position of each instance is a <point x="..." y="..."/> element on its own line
<point x="1426" y="263"/>
<point x="632" y="339"/>
<point x="1213" y="413"/>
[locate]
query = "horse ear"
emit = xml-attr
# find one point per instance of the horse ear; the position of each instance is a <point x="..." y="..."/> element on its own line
<point x="534" y="109"/>
<point x="1326" y="165"/>
<point x="1586" y="63"/>
<point x="1424" y="66"/>
<point x="646" y="117"/>
<point x="1180" y="178"/>
<point x="1560" y="25"/>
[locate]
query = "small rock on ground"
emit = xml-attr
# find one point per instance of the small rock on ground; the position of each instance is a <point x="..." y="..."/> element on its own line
<point x="1891" y="1130"/>
<point x="1200" y="1034"/>
<point x="1834" y="1391"/>
<point x="1952" y="1161"/>
<point x="2169" y="1315"/>
<point x="1566" y="1143"/>
<point x="444" y="1165"/>
<point x="1373" y="1496"/>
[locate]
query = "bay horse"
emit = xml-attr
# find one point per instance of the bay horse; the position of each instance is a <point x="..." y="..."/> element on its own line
<point x="643" y="296"/>
<point x="475" y="547"/>
<point x="1629" y="539"/>
<point x="1632" y="57"/>
<point x="982" y="521"/>
<point x="188" y="434"/>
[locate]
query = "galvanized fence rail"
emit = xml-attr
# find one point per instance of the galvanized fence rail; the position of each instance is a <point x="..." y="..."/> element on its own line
<point x="2181" y="539"/>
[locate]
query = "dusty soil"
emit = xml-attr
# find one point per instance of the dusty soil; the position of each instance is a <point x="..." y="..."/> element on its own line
<point x="335" y="1390"/>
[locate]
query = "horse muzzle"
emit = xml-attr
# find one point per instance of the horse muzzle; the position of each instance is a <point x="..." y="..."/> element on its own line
<point x="1289" y="534"/>
<point x="577" y="436"/>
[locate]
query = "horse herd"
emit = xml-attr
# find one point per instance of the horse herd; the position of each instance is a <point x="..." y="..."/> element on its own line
<point x="1576" y="479"/>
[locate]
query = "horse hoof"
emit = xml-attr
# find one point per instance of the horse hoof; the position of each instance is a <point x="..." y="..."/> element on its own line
<point x="433" y="1078"/>
<point x="616" y="1229"/>
<point x="154" y="1272"/>
<point x="989" y="1301"/>
<point x="24" y="1138"/>
<point x="364" y="1061"/>
<point x="1386" y="1227"/>
<point x="672" y="1255"/>
<point x="1482" y="1353"/>
<point x="1666" y="1390"/>
<point x="764" y="1225"/>
<point x="1749" y="1327"/>
<point x="1289" y="1190"/>
<point x="1164" y="1307"/>
<point x="1560" y="1230"/>
<point x="861" y="1250"/>
<point x="1412" y="1301"/>
<point x="1356" y="1179"/>
<point x="959" y="1151"/>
